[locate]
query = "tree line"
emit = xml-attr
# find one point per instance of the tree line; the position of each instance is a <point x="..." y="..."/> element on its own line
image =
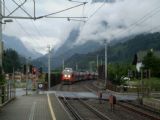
<point x="11" y="60"/>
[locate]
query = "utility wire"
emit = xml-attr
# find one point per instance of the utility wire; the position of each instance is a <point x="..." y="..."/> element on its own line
<point x="147" y="16"/>
<point x="62" y="10"/>
<point x="75" y="1"/>
<point x="34" y="25"/>
<point x="21" y="26"/>
<point x="96" y="10"/>
<point x="39" y="17"/>
<point x="81" y="18"/>
<point x="157" y="27"/>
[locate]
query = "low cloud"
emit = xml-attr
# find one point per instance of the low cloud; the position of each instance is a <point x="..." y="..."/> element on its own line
<point x="117" y="20"/>
<point x="112" y="21"/>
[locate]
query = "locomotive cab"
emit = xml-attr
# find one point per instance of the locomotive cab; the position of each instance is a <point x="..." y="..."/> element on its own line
<point x="67" y="76"/>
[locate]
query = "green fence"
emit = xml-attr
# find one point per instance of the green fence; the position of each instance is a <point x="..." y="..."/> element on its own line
<point x="7" y="92"/>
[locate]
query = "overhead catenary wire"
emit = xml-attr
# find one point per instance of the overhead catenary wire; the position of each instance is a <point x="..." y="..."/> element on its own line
<point x="133" y="25"/>
<point x="65" y="17"/>
<point x="94" y="13"/>
<point x="21" y="26"/>
<point x="38" y="17"/>
<point x="144" y="18"/>
<point x="34" y="25"/>
<point x="30" y="17"/>
<point x="61" y="10"/>
<point x="79" y="20"/>
<point x="69" y="19"/>
<point x="150" y="30"/>
<point x="76" y="1"/>
<point x="102" y="5"/>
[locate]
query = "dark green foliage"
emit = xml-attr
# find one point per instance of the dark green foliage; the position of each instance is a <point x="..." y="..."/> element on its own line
<point x="152" y="62"/>
<point x="2" y="79"/>
<point x="118" y="53"/>
<point x="116" y="72"/>
<point x="11" y="60"/>
<point x="135" y="60"/>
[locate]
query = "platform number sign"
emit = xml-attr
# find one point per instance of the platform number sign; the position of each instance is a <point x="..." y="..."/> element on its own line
<point x="40" y="86"/>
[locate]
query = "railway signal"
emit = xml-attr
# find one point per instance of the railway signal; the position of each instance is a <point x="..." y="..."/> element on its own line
<point x="24" y="69"/>
<point x="40" y="70"/>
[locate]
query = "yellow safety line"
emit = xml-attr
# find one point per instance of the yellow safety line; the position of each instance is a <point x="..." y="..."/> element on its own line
<point x="50" y="107"/>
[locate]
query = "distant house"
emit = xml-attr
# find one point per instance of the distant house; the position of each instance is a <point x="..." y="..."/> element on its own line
<point x="138" y="58"/>
<point x="141" y="54"/>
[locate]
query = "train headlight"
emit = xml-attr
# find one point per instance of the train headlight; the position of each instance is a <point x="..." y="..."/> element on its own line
<point x="65" y="75"/>
<point x="69" y="76"/>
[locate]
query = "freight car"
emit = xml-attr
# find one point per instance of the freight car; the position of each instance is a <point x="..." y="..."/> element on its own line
<point x="69" y="76"/>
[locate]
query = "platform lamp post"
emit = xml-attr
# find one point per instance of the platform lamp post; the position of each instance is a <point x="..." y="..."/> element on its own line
<point x="1" y="42"/>
<point x="105" y="74"/>
<point x="49" y="67"/>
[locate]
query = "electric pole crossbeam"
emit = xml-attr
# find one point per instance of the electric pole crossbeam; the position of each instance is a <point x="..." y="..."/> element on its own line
<point x="34" y="17"/>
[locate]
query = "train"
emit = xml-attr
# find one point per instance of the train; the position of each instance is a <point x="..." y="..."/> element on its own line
<point x="70" y="76"/>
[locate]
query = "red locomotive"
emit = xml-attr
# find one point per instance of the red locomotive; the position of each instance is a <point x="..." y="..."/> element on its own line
<point x="69" y="76"/>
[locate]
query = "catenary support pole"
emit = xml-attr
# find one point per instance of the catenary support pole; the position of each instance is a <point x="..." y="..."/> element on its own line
<point x="1" y="43"/>
<point x="105" y="63"/>
<point x="49" y="67"/>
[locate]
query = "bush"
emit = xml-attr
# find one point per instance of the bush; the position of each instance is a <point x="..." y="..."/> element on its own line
<point x="2" y="79"/>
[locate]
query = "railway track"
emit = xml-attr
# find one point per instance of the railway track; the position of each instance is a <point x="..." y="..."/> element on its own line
<point x="146" y="108"/>
<point x="136" y="108"/>
<point x="95" y="111"/>
<point x="83" y="111"/>
<point x="72" y="110"/>
<point x="86" y="107"/>
<point x="139" y="110"/>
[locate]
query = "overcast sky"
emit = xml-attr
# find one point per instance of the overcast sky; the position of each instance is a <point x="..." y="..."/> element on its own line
<point x="111" y="21"/>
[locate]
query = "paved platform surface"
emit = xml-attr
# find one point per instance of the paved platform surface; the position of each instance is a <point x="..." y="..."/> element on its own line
<point x="34" y="107"/>
<point x="59" y="110"/>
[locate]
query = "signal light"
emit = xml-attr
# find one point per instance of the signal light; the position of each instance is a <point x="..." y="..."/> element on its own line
<point x="24" y="69"/>
<point x="34" y="70"/>
<point x="30" y="68"/>
<point x="40" y="70"/>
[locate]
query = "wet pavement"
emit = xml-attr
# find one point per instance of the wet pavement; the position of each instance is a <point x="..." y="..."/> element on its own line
<point x="33" y="107"/>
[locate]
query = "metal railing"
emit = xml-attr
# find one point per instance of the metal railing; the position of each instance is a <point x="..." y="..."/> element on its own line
<point x="7" y="92"/>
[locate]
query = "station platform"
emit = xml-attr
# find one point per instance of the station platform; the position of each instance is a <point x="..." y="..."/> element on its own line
<point x="46" y="105"/>
<point x="34" y="107"/>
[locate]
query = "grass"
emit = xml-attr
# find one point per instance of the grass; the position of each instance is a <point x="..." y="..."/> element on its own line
<point x="20" y="85"/>
<point x="152" y="83"/>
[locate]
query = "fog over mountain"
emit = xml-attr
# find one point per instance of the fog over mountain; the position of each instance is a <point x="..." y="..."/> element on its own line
<point x="116" y="21"/>
<point x="68" y="49"/>
<point x="16" y="44"/>
<point x="106" y="19"/>
<point x="123" y="17"/>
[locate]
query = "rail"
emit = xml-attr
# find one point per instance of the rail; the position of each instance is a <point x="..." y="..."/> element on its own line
<point x="149" y="109"/>
<point x="95" y="111"/>
<point x="136" y="110"/>
<point x="72" y="110"/>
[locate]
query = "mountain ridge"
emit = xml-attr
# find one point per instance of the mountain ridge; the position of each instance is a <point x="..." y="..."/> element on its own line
<point x="122" y="52"/>
<point x="16" y="44"/>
